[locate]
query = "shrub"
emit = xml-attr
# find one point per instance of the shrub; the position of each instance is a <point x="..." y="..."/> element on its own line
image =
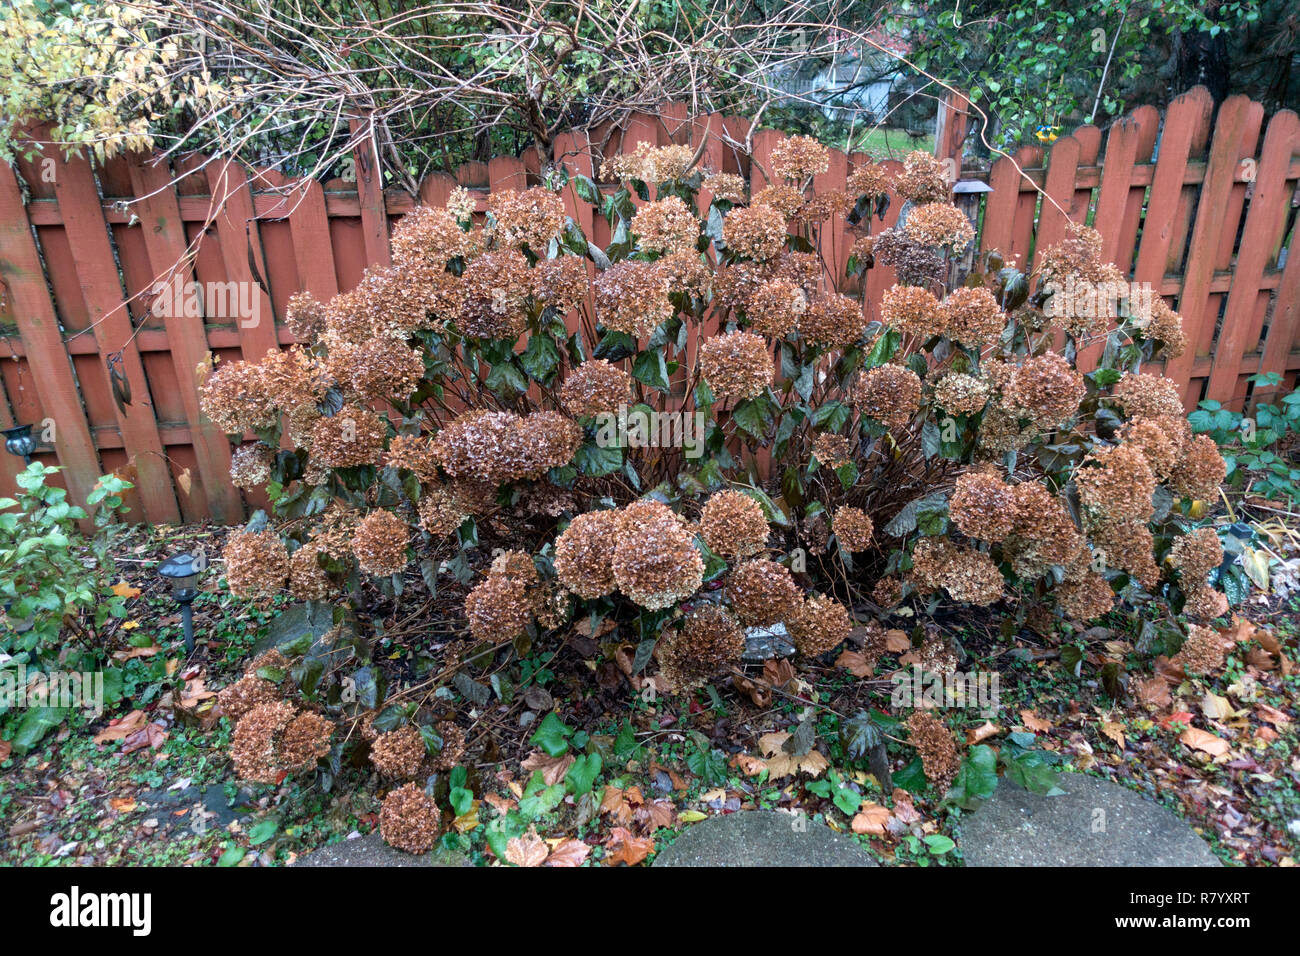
<point x="953" y="452"/>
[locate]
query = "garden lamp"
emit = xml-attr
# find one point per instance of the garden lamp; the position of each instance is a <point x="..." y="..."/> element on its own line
<point x="19" y="440"/>
<point x="182" y="573"/>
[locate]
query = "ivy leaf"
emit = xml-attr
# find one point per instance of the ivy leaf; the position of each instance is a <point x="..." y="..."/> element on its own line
<point x="552" y="735"/>
<point x="976" y="779"/>
<point x="582" y="774"/>
<point x="651" y="369"/>
<point x="595" y="461"/>
<point x="541" y="359"/>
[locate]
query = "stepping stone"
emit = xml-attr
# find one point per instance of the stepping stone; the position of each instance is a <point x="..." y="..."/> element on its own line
<point x="1094" y="823"/>
<point x="762" y="838"/>
<point x="371" y="850"/>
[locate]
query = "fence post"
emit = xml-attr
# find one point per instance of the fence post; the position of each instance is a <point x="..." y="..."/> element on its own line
<point x="950" y="128"/>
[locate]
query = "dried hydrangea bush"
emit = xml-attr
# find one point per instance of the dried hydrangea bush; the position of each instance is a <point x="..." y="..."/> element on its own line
<point x="481" y="406"/>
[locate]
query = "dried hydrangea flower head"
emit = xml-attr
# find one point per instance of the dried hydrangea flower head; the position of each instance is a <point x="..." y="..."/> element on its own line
<point x="237" y="398"/>
<point x="494" y="296"/>
<point x="243" y="695"/>
<point x="560" y="283"/>
<point x="732" y="525"/>
<point x="409" y="820"/>
<point x="632" y="297"/>
<point x="665" y="226"/>
<point x="1194" y="555"/>
<point x="983" y="506"/>
<point x="442" y="511"/>
<point x="399" y="754"/>
<point x="1043" y="534"/>
<point x="504" y="603"/>
<point x="1205" y="603"/>
<point x="379" y="543"/>
<point x="355" y="436"/>
<point x="1084" y="595"/>
<point x="1166" y="327"/>
<point x="257" y="563"/>
<point x="923" y="179"/>
<point x="307" y="579"/>
<point x="250" y="465"/>
<point x="544" y="440"/>
<point x="584" y="554"/>
<point x="1147" y="396"/>
<point x="821" y="625"/>
<point x="1126" y="545"/>
<point x="596" y="386"/>
<point x="1047" y="389"/>
<point x="648" y="163"/>
<point x="969" y="576"/>
<point x="774" y="307"/>
<point x="1204" y="652"/>
<point x="972" y="317"/>
<point x="274" y="740"/>
<point x="960" y="394"/>
<point x="726" y="186"/>
<point x="376" y="370"/>
<point x="736" y="364"/>
<point x="785" y="199"/>
<point x="707" y="640"/>
<point x="1116" y="485"/>
<point x="304" y="317"/>
<point x="914" y="264"/>
<point x="1148" y="437"/>
<point x="853" y="529"/>
<point x="933" y="741"/>
<point x="890" y="394"/>
<point x="430" y="237"/>
<point x="796" y="158"/>
<point x="870" y="179"/>
<point x="531" y="218"/>
<point x="939" y="224"/>
<point x="1200" y="469"/>
<point x="833" y="451"/>
<point x="755" y="232"/>
<point x="390" y="302"/>
<point x="912" y="310"/>
<point x="763" y="592"/>
<point x="656" y="563"/>
<point x="832" y="320"/>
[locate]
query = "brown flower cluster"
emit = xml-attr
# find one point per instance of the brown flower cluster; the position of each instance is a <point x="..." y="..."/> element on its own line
<point x="1200" y="469"/>
<point x="1149" y="437"/>
<point x="250" y="465"/>
<point x="833" y="320"/>
<point x="939" y="224"/>
<point x="732" y="525"/>
<point x="983" y="506"/>
<point x="763" y="592"/>
<point x="1205" y="604"/>
<point x="500" y="447"/>
<point x="1084" y="595"/>
<point x="796" y="158"/>
<point x="584" y="554"/>
<point x="409" y="820"/>
<point x="1048" y="389"/>
<point x="969" y="576"/>
<point x="243" y="695"/>
<point x="273" y="740"/>
<point x="442" y="510"/>
<point x="853" y="528"/>
<point x="725" y="186"/>
<point x="775" y="306"/>
<point x="392" y="302"/>
<point x="594" y="387"/>
<point x="379" y="369"/>
<point x="494" y="291"/>
<point x="236" y="398"/>
<point x="656" y="563"/>
<point x="1194" y="555"/>
<point x="960" y="394"/>
<point x="971" y="317"/>
<point x="379" y="543"/>
<point x="833" y="451"/>
<point x="707" y="640"/>
<point x="914" y="263"/>
<point x="1204" y="652"/>
<point x="304" y="317"/>
<point x="1116" y="485"/>
<point x="1166" y="327"/>
<point x="355" y="436"/>
<point x="870" y="179"/>
<point x="429" y="237"/>
<point x="650" y="164"/>
<point x="821" y="625"/>
<point x="560" y="283"/>
<point x="505" y="602"/>
<point x="530" y="218"/>
<point x="1043" y="533"/>
<point x="1148" y="396"/>
<point x="736" y="364"/>
<point x="912" y="310"/>
<point x="632" y="297"/>
<point x="933" y="741"/>
<point x="307" y="579"/>
<point x="890" y="394"/>
<point x="400" y="753"/>
<point x="665" y="226"/>
<point x="257" y="563"/>
<point x="923" y="179"/>
<point x="756" y="232"/>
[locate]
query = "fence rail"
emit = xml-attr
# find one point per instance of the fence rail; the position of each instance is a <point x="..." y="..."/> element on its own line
<point x="1199" y="204"/>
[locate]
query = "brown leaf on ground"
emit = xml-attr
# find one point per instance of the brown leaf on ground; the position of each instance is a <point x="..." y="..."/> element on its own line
<point x="502" y="805"/>
<point x="750" y="765"/>
<point x="759" y="694"/>
<point x="1035" y="723"/>
<point x="983" y="732"/>
<point x="655" y="814"/>
<point x="1115" y="731"/>
<point x="6" y="748"/>
<point x="1204" y="741"/>
<point x="624" y="847"/>
<point x="122" y="589"/>
<point x="781" y="764"/>
<point x="855" y="663"/>
<point x="131" y="653"/>
<point x="903" y="807"/>
<point x="1261" y="659"/>
<point x="527" y="850"/>
<point x="122" y="804"/>
<point x="1215" y="707"/>
<point x="778" y="673"/>
<point x="871" y="820"/>
<point x="569" y="853"/>
<point x="1271" y="714"/>
<point x="897" y="642"/>
<point x="121" y="728"/>
<point x="152" y="736"/>
<point x="1154" y="692"/>
<point x="553" y="768"/>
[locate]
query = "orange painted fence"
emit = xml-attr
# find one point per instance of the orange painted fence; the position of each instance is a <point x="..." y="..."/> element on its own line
<point x="1203" y="211"/>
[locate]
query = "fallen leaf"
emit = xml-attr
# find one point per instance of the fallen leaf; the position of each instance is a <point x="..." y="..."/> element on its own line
<point x="750" y="765"/>
<point x="121" y="728"/>
<point x="1215" y="707"/>
<point x="569" y="853"/>
<point x="781" y="764"/>
<point x="983" y="732"/>
<point x="6" y="748"/>
<point x="855" y="663"/>
<point x="468" y="820"/>
<point x="871" y="820"/>
<point x="527" y="850"/>
<point x="1154" y="692"/>
<point x="502" y="805"/>
<point x="1204" y="741"/>
<point x="122" y="804"/>
<point x="1271" y="714"/>
<point x="1035" y="723"/>
<point x="897" y="642"/>
<point x="1115" y="731"/>
<point x="553" y="768"/>
<point x="122" y="589"/>
<point x="624" y="847"/>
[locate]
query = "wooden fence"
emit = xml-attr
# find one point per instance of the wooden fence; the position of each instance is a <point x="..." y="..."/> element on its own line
<point x="1201" y="213"/>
